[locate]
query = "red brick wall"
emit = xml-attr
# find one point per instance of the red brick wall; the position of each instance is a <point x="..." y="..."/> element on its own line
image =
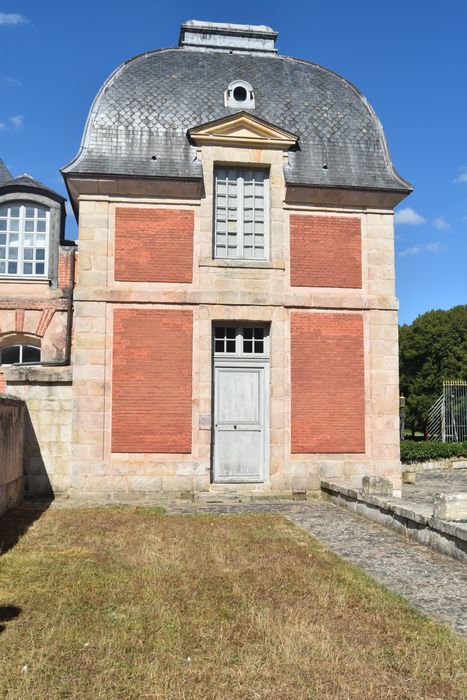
<point x="328" y="409"/>
<point x="151" y="382"/>
<point x="325" y="251"/>
<point x="64" y="268"/>
<point x="154" y="245"/>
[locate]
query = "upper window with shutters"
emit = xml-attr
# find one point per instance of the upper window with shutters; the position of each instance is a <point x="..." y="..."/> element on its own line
<point x="241" y="213"/>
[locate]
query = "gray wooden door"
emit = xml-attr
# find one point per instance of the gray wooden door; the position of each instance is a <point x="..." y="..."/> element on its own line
<point x="239" y="422"/>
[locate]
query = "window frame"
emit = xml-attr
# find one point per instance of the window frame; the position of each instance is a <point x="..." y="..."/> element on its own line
<point x="239" y="328"/>
<point x="240" y="233"/>
<point x="21" y="347"/>
<point x="23" y="205"/>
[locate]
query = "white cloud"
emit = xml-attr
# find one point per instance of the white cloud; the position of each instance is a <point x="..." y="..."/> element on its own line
<point x="408" y="216"/>
<point x="462" y="177"/>
<point x="2" y="126"/>
<point x="441" y="224"/>
<point x="17" y="121"/>
<point x="11" y="19"/>
<point x="417" y="249"/>
<point x="10" y="82"/>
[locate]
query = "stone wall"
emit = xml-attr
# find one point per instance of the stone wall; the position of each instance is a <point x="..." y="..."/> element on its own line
<point x="47" y="394"/>
<point x="11" y="451"/>
<point x="231" y="290"/>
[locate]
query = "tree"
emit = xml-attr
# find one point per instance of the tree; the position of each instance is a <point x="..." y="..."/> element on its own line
<point x="432" y="349"/>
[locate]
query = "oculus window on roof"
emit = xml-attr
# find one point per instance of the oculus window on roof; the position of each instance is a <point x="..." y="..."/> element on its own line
<point x="240" y="94"/>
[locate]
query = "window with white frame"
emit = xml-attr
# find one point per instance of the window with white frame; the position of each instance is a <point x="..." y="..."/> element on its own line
<point x="19" y="354"/>
<point x="241" y="213"/>
<point x="241" y="340"/>
<point x="24" y="239"/>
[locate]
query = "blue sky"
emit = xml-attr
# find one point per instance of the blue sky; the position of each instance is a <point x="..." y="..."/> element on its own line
<point x="407" y="58"/>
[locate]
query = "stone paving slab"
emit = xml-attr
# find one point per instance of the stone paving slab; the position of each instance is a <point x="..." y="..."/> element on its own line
<point x="429" y="483"/>
<point x="434" y="584"/>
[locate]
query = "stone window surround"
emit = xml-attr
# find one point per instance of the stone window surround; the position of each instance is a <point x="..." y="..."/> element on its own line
<point x="228" y="177"/>
<point x="41" y="217"/>
<point x="55" y="226"/>
<point x="18" y="338"/>
<point x="213" y="157"/>
<point x="231" y="100"/>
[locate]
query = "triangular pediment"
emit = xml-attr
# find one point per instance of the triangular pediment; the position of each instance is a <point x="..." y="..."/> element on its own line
<point x="242" y="129"/>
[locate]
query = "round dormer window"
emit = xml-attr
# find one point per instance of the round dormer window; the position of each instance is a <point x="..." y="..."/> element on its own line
<point x="240" y="94"/>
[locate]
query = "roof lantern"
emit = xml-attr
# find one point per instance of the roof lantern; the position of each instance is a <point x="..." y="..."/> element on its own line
<point x="202" y="36"/>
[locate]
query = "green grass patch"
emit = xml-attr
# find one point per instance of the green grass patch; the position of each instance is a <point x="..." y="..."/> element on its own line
<point x="130" y="603"/>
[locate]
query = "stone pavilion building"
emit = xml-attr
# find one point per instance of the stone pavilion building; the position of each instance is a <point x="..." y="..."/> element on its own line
<point x="234" y="312"/>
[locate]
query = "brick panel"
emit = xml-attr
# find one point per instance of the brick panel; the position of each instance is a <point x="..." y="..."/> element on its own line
<point x="153" y="245"/>
<point x="328" y="408"/>
<point x="45" y="320"/>
<point x="64" y="269"/>
<point x="325" y="251"/>
<point x="19" y="320"/>
<point x="151" y="380"/>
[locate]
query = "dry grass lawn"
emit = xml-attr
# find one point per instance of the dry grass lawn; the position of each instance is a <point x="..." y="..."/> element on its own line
<point x="131" y="603"/>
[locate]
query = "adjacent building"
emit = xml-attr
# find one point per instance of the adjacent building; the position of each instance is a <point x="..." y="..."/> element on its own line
<point x="36" y="281"/>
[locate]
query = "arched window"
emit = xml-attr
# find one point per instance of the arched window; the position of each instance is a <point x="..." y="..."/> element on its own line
<point x="19" y="354"/>
<point x="24" y="239"/>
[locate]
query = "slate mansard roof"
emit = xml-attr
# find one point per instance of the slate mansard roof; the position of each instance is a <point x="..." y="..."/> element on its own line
<point x="24" y="183"/>
<point x="139" y="120"/>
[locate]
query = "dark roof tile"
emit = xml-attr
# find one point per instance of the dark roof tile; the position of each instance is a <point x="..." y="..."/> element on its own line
<point x="147" y="106"/>
<point x="5" y="175"/>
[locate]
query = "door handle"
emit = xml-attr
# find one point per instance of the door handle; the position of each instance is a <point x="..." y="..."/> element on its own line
<point x="235" y="427"/>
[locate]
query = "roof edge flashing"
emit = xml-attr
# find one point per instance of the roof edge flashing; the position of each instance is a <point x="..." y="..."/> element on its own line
<point x="217" y="36"/>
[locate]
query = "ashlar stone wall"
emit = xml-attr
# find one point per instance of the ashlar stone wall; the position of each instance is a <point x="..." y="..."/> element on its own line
<point x="226" y="290"/>
<point x="47" y="396"/>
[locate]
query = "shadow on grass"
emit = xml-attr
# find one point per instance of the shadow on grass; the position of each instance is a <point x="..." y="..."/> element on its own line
<point x="16" y="522"/>
<point x="7" y="613"/>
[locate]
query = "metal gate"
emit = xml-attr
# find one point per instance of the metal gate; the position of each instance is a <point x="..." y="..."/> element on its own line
<point x="447" y="418"/>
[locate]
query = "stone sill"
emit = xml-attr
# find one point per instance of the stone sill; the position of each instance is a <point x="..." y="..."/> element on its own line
<point x="247" y="264"/>
<point x="38" y="373"/>
<point x="45" y="281"/>
<point x="411" y="519"/>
